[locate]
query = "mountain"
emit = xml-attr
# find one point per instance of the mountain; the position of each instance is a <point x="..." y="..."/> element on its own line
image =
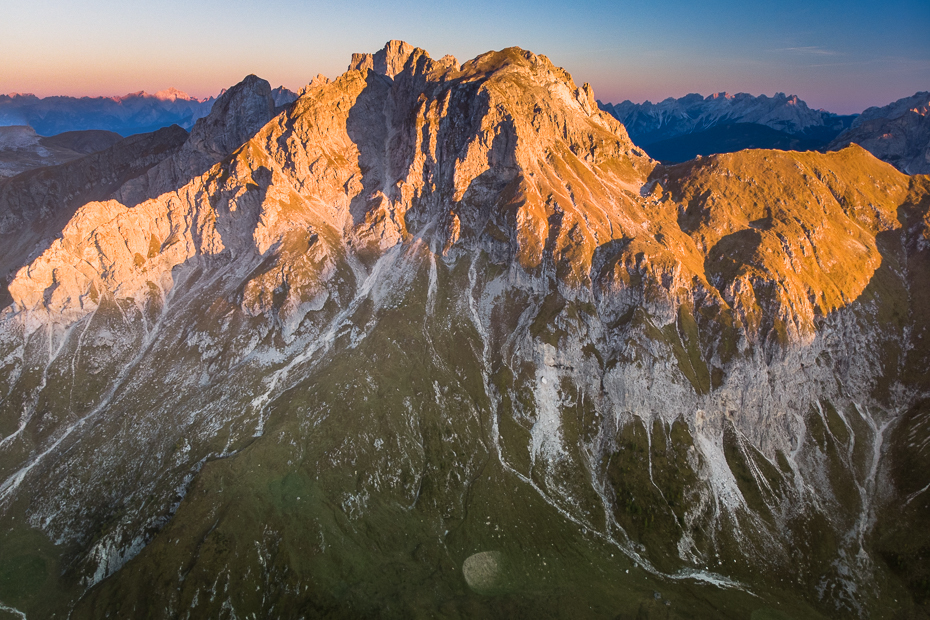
<point x="728" y="138"/>
<point x="649" y="123"/>
<point x="82" y="142"/>
<point x="439" y="339"/>
<point x="676" y="130"/>
<point x="21" y="148"/>
<point x="134" y="113"/>
<point x="283" y="97"/>
<point x="898" y="133"/>
<point x="35" y="206"/>
<point x="237" y="114"/>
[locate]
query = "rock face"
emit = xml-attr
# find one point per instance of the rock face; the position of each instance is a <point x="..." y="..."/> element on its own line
<point x="440" y="337"/>
<point x="652" y="122"/>
<point x="236" y="116"/>
<point x="898" y="133"/>
<point x="388" y="61"/>
<point x="21" y="148"/>
<point x="134" y="113"/>
<point x="36" y="205"/>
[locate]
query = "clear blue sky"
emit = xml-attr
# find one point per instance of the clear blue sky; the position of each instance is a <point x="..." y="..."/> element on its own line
<point x="842" y="56"/>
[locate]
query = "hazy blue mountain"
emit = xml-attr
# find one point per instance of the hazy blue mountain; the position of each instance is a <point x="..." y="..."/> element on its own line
<point x="728" y="138"/>
<point x="134" y="113"/>
<point x="648" y="122"/>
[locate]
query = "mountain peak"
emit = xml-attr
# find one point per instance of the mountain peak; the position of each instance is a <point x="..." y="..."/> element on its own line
<point x="237" y="114"/>
<point x="173" y="94"/>
<point x="389" y="60"/>
<point x="501" y="148"/>
<point x="168" y="94"/>
<point x="139" y="94"/>
<point x="234" y="118"/>
<point x="318" y="81"/>
<point x="896" y="133"/>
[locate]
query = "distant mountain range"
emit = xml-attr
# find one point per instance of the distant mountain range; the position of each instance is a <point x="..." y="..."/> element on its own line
<point x="37" y="132"/>
<point x="677" y="130"/>
<point x="672" y="131"/>
<point x="131" y="114"/>
<point x="648" y="123"/>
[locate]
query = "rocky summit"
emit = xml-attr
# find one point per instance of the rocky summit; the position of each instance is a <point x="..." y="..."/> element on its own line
<point x="436" y="339"/>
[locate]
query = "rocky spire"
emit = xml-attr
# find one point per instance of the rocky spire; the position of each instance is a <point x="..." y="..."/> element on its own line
<point x="389" y="61"/>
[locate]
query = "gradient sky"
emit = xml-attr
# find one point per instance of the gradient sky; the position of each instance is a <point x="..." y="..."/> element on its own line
<point x="841" y="56"/>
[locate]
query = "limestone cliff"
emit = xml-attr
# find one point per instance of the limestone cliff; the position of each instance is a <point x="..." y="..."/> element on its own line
<point x="36" y="205"/>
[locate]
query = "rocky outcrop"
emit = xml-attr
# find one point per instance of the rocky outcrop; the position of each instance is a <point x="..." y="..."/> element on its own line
<point x="388" y="61"/>
<point x="898" y="133"/>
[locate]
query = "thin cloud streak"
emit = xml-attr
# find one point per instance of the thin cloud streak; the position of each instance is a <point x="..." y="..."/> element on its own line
<point x="811" y="49"/>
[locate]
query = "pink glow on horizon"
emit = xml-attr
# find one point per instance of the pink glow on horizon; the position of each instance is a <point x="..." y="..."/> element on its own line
<point x="652" y="77"/>
<point x="853" y="101"/>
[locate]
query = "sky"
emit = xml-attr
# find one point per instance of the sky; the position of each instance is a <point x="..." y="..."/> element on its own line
<point x="840" y="56"/>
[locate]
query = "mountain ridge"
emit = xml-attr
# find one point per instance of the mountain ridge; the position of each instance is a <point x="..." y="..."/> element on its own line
<point x="898" y="133"/>
<point x="138" y="112"/>
<point x="670" y="118"/>
<point x="21" y="148"/>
